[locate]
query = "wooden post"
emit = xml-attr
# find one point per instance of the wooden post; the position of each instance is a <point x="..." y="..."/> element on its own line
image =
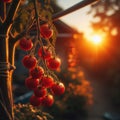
<point x="6" y="98"/>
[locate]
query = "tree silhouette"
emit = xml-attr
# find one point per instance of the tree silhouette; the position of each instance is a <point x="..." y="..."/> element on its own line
<point x="106" y="15"/>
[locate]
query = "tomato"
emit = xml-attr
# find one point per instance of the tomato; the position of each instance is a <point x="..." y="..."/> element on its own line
<point x="25" y="44"/>
<point x="29" y="61"/>
<point x="35" y="101"/>
<point x="37" y="72"/>
<point x="47" y="101"/>
<point x="58" y="88"/>
<point x="54" y="63"/>
<point x="44" y="53"/>
<point x="31" y="83"/>
<point x="40" y="92"/>
<point x="46" y="31"/>
<point x="46" y="81"/>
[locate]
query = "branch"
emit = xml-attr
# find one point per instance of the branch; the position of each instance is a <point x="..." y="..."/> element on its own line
<point x="11" y="13"/>
<point x="20" y="35"/>
<point x="72" y="9"/>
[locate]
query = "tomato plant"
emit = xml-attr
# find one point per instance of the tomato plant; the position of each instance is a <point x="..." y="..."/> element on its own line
<point x="41" y="65"/>
<point x="16" y="29"/>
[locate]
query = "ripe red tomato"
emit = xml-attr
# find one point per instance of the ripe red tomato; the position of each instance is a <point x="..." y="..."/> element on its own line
<point x="31" y="83"/>
<point x="46" y="31"/>
<point x="58" y="88"/>
<point x="47" y="101"/>
<point x="44" y="53"/>
<point x="37" y="72"/>
<point x="54" y="63"/>
<point x="40" y="92"/>
<point x="29" y="61"/>
<point x="25" y="44"/>
<point x="35" y="101"/>
<point x="7" y="1"/>
<point x="46" y="81"/>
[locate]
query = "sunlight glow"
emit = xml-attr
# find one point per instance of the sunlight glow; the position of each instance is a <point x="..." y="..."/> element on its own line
<point x="96" y="39"/>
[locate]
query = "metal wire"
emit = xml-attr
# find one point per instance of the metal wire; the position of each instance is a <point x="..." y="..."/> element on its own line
<point x="5" y="67"/>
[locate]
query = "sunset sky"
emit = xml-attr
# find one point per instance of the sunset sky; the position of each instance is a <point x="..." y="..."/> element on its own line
<point x="78" y="19"/>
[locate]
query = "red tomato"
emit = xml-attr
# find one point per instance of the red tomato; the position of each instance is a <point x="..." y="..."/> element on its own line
<point x="46" y="81"/>
<point x="54" y="63"/>
<point x="44" y="53"/>
<point x="31" y="83"/>
<point x="35" y="101"/>
<point x="46" y="31"/>
<point x="40" y="92"/>
<point x="58" y="88"/>
<point x="47" y="101"/>
<point x="25" y="44"/>
<point x="29" y="61"/>
<point x="37" y="72"/>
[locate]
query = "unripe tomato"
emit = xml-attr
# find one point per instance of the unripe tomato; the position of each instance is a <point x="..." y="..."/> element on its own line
<point x="29" y="61"/>
<point x="40" y="92"/>
<point x="54" y="63"/>
<point x="47" y="101"/>
<point x="37" y="72"/>
<point x="46" y="81"/>
<point x="35" y="101"/>
<point x="46" y="31"/>
<point x="58" y="88"/>
<point x="31" y="83"/>
<point x="25" y="44"/>
<point x="44" y="53"/>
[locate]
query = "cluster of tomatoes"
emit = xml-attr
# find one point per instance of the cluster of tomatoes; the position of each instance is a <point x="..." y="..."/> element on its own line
<point x="44" y="85"/>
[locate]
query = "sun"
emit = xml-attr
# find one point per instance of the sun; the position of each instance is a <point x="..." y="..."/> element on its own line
<point x="96" y="39"/>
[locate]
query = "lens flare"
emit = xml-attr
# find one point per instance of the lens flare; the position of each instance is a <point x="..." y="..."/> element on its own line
<point x="96" y="39"/>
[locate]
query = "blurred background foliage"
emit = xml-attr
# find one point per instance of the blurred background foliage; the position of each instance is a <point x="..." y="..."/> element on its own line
<point x="107" y="17"/>
<point x="104" y="60"/>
